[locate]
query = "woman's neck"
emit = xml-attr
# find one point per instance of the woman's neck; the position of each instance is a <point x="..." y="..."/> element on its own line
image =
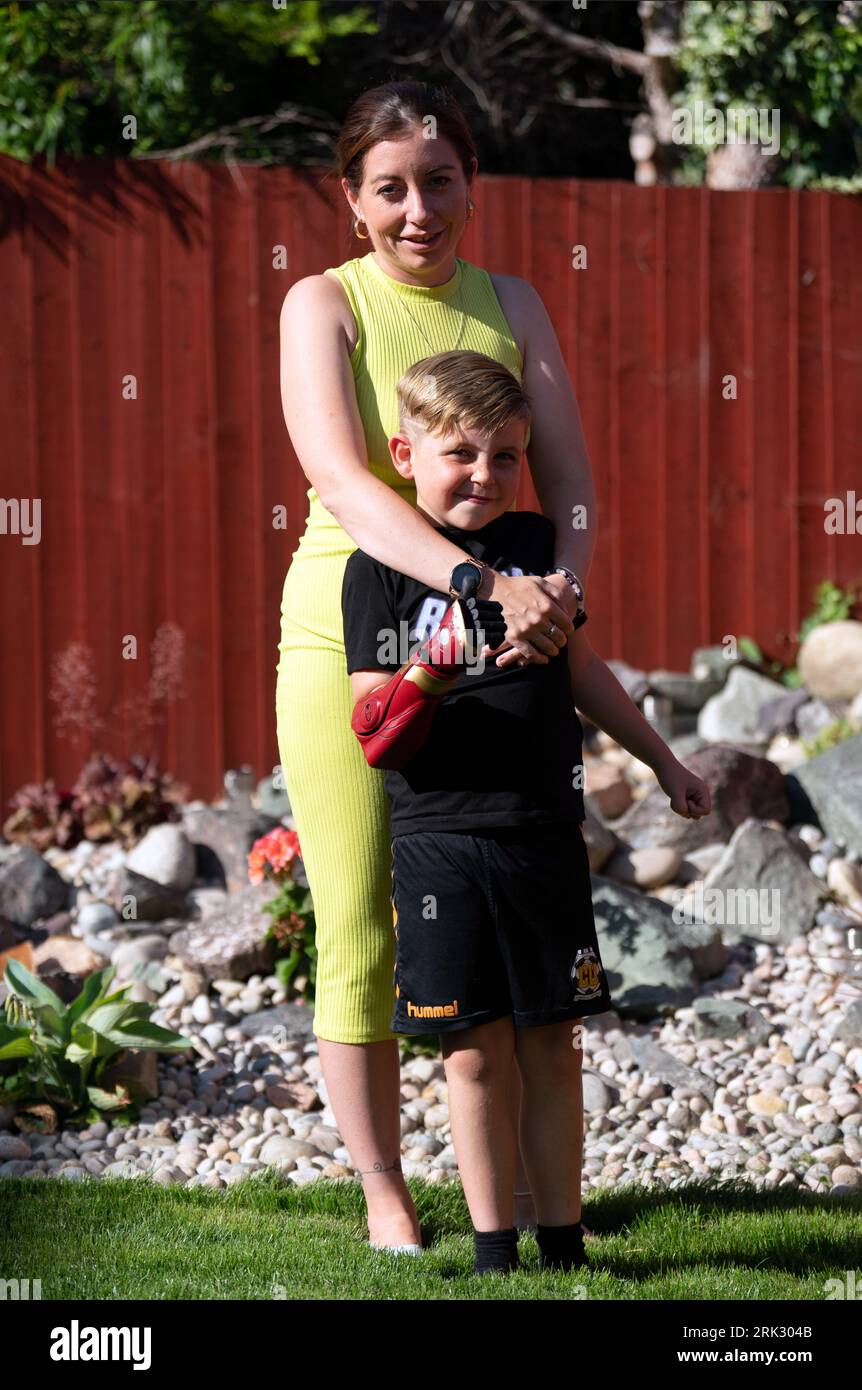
<point x="435" y="275"/>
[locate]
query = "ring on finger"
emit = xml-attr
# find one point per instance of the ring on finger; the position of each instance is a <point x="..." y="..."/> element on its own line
<point x="551" y="630"/>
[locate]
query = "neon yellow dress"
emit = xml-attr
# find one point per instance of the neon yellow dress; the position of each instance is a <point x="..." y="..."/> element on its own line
<point x="337" y="800"/>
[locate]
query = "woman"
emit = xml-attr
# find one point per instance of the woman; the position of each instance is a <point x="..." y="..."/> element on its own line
<point x="346" y="337"/>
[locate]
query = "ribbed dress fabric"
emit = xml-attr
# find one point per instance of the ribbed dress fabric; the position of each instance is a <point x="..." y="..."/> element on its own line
<point x="337" y="800"/>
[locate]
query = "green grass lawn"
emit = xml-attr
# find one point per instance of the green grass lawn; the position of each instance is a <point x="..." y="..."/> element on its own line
<point x="119" y="1239"/>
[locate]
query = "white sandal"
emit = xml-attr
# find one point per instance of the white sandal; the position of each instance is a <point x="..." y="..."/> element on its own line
<point x="399" y="1249"/>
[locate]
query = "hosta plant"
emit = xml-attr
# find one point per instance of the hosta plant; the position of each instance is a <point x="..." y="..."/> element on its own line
<point x="59" y="1052"/>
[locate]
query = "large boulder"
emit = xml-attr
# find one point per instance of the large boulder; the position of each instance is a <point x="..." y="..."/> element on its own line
<point x="740" y="785"/>
<point x="761" y="888"/>
<point x="166" y="856"/>
<point x="778" y="715"/>
<point x="654" y="1060"/>
<point x="30" y="887"/>
<point x="654" y="965"/>
<point x="816" y="715"/>
<point x="733" y="714"/>
<point x="230" y="945"/>
<point x="152" y="902"/>
<point x="687" y="692"/>
<point x="223" y="837"/>
<point x="829" y="789"/>
<point x="830" y="660"/>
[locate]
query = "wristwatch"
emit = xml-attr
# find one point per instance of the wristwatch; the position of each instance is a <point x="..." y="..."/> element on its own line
<point x="465" y="579"/>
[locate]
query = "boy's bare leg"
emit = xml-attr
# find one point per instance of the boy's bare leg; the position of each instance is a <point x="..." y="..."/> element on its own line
<point x="525" y="1211"/>
<point x="479" y="1064"/>
<point x="552" y="1119"/>
<point x="364" y="1089"/>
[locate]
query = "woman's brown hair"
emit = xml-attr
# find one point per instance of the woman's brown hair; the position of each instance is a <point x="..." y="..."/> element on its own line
<point x="392" y="111"/>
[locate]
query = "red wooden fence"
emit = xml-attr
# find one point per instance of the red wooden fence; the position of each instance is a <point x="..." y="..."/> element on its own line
<point x="159" y="507"/>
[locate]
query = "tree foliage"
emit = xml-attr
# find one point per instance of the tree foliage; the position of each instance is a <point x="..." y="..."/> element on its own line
<point x="548" y="89"/>
<point x="802" y="61"/>
<point x="70" y="73"/>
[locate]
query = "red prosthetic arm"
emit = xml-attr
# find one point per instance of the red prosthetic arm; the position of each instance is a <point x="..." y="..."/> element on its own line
<point x="393" y="722"/>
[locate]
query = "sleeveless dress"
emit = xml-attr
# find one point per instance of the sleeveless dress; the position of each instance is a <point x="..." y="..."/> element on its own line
<point x="337" y="801"/>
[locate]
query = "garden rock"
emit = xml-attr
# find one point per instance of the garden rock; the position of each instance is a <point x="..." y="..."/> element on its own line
<point x="610" y="791"/>
<point x="67" y="954"/>
<point x="646" y="868"/>
<point x="97" y="917"/>
<point x="816" y="715"/>
<point x="598" y="1096"/>
<point x="633" y="682"/>
<point x="728" y="1018"/>
<point x="293" y="1095"/>
<point x="656" y="1061"/>
<point x="11" y="1147"/>
<point x="767" y="888"/>
<point x="138" y="952"/>
<point x="227" y="833"/>
<point x="830" y="660"/>
<point x="30" y="888"/>
<point x="138" y="1070"/>
<point x="272" y="800"/>
<point x="289" y="1021"/>
<point x="732" y="715"/>
<point x="845" y="880"/>
<point x="600" y="840"/>
<point x="281" y="1147"/>
<point x="698" y="863"/>
<point x="740" y="785"/>
<point x="711" y="663"/>
<point x="778" y="716"/>
<point x="154" y="902"/>
<point x="687" y="692"/>
<point x="230" y="945"/>
<point x="849" y="1026"/>
<point x="166" y="856"/>
<point x="653" y="963"/>
<point x="683" y="745"/>
<point x="828" y="790"/>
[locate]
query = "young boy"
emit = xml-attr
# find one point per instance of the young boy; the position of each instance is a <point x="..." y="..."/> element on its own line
<point x="496" y="942"/>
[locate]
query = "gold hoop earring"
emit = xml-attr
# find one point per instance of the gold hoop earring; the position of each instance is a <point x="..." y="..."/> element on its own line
<point x="363" y="236"/>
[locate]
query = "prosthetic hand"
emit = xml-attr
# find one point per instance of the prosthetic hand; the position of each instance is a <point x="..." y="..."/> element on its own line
<point x="393" y="722"/>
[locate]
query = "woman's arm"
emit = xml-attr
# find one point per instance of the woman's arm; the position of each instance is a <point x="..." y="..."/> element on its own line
<point x="322" y="417"/>
<point x="557" y="453"/>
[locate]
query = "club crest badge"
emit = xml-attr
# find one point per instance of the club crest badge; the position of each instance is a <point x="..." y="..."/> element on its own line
<point x="586" y="974"/>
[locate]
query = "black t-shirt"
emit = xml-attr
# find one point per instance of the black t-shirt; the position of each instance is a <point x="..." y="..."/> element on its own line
<point x="505" y="746"/>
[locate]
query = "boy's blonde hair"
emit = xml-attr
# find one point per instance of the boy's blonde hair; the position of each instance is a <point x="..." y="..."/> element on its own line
<point x="460" y="389"/>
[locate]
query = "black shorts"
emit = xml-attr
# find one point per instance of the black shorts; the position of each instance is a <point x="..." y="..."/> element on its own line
<point x="494" y="925"/>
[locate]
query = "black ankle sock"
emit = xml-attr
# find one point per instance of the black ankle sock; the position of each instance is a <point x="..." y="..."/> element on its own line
<point x="496" y="1251"/>
<point x="561" y="1247"/>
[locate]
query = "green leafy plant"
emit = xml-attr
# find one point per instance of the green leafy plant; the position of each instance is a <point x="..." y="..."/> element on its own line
<point x="831" y="605"/>
<point x="801" y="60"/>
<point x="767" y="665"/>
<point x="420" y="1045"/>
<point x="291" y="909"/>
<point x="111" y="800"/>
<point x="60" y="1051"/>
<point x="827" y="737"/>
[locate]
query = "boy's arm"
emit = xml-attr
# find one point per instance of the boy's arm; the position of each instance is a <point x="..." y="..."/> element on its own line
<point x="596" y="691"/>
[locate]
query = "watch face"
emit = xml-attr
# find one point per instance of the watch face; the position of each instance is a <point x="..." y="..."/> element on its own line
<point x="465" y="579"/>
